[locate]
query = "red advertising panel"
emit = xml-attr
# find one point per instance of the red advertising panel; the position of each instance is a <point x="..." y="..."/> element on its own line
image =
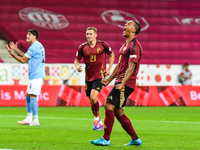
<point x="165" y="96"/>
<point x="15" y="95"/>
<point x="75" y="96"/>
<point x="191" y="95"/>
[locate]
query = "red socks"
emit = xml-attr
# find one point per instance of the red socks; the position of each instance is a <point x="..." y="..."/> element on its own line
<point x="108" y="124"/>
<point x="95" y="109"/>
<point x="125" y="123"/>
<point x="127" y="126"/>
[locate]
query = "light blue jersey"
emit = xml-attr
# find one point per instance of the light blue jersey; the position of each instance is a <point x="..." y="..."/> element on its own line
<point x="36" y="62"/>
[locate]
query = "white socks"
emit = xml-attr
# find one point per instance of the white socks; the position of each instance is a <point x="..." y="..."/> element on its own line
<point x="35" y="118"/>
<point x="29" y="117"/>
<point x="96" y="118"/>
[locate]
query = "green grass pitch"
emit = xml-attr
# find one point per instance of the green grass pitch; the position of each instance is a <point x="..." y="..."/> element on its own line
<point x="63" y="128"/>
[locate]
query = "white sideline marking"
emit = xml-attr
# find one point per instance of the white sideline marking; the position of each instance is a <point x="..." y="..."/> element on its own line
<point x="183" y="122"/>
<point x="168" y="121"/>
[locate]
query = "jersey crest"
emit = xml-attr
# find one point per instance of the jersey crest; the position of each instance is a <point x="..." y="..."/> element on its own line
<point x="98" y="50"/>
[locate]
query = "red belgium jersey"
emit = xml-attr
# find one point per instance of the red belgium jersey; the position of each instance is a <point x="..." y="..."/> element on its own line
<point x="94" y="59"/>
<point x="131" y="52"/>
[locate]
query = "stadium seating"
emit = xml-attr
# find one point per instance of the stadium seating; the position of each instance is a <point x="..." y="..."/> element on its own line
<point x="170" y="29"/>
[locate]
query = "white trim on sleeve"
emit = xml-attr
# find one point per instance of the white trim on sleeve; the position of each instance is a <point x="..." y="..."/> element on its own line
<point x="27" y="55"/>
<point x="133" y="56"/>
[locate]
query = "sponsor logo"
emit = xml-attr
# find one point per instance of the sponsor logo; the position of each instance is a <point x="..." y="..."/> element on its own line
<point x="110" y="97"/>
<point x="194" y="95"/>
<point x="43" y="18"/>
<point x="119" y="18"/>
<point x="187" y="21"/>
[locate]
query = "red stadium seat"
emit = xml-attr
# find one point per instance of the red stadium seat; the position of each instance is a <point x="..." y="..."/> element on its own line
<point x="169" y="35"/>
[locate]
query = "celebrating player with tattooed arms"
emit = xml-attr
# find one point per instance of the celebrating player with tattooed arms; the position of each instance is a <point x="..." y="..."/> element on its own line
<point x="125" y="74"/>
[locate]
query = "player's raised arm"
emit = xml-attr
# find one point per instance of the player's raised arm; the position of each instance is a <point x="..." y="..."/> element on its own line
<point x="14" y="46"/>
<point x="18" y="58"/>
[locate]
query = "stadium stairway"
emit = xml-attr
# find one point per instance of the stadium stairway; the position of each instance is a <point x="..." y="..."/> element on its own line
<point x="4" y="55"/>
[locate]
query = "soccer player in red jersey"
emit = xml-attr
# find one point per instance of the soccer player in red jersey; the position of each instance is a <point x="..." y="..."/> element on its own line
<point x="125" y="74"/>
<point x="94" y="54"/>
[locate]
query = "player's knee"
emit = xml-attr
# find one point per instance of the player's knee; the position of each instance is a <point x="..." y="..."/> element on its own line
<point x="119" y="112"/>
<point x="93" y="99"/>
<point x="108" y="106"/>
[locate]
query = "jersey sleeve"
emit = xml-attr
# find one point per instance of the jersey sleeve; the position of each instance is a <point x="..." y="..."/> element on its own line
<point x="79" y="52"/>
<point x="107" y="48"/>
<point x="30" y="53"/>
<point x="134" y="53"/>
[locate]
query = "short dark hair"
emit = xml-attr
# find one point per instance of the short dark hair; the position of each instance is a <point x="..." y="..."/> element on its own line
<point x="186" y="64"/>
<point x="34" y="32"/>
<point x="137" y="26"/>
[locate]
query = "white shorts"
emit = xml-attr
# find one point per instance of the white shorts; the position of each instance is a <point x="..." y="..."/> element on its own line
<point x="34" y="86"/>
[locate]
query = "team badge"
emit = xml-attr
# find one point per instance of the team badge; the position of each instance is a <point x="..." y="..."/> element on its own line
<point x="98" y="50"/>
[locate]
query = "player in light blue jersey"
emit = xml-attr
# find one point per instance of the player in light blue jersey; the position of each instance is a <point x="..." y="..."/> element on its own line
<point x="35" y="56"/>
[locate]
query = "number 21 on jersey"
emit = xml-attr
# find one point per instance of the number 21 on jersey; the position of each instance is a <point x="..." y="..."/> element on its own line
<point x="93" y="58"/>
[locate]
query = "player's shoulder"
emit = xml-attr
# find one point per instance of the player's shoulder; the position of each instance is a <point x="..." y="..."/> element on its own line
<point x="82" y="45"/>
<point x="40" y="45"/>
<point x="36" y="44"/>
<point x="137" y="42"/>
<point x="102" y="42"/>
<point x="32" y="47"/>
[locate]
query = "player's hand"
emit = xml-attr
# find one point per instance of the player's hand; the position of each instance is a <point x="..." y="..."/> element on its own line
<point x="104" y="82"/>
<point x="13" y="45"/>
<point x="79" y="68"/>
<point x="119" y="86"/>
<point x="9" y="49"/>
<point x="106" y="72"/>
